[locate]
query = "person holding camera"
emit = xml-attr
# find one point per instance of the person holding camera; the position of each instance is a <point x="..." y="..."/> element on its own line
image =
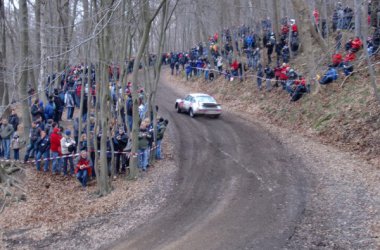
<point x="161" y="127"/>
<point x="144" y="137"/>
<point x="83" y="169"/>
<point x="68" y="146"/>
<point x="42" y="151"/>
<point x="120" y="141"/>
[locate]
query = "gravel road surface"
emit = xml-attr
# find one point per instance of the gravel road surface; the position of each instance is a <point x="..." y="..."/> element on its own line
<point x="237" y="187"/>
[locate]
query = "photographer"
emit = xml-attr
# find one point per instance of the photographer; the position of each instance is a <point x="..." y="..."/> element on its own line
<point x="120" y="141"/>
<point x="161" y="127"/>
<point x="83" y="169"/>
<point x="144" y="137"/>
<point x="42" y="151"/>
<point x="68" y="148"/>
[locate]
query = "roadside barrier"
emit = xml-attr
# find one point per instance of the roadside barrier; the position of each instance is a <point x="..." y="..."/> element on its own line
<point x="129" y="155"/>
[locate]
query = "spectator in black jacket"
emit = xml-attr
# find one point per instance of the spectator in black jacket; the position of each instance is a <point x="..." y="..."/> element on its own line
<point x="6" y="132"/>
<point x="13" y="119"/>
<point x="34" y="135"/>
<point x="59" y="106"/>
<point x="161" y="127"/>
<point x="269" y="75"/>
<point x="36" y="110"/>
<point x="120" y="141"/>
<point x="42" y="151"/>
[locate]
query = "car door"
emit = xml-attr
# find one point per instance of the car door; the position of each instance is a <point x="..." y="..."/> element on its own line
<point x="192" y="103"/>
<point x="187" y="103"/>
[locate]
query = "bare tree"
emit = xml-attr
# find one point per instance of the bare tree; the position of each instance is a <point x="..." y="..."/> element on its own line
<point x="24" y="45"/>
<point x="375" y="9"/>
<point x="42" y="41"/>
<point x="358" y="18"/>
<point x="144" y="40"/>
<point x="371" y="69"/>
<point x="3" y="57"/>
<point x="104" y="48"/>
<point x="276" y="18"/>
<point x="305" y="31"/>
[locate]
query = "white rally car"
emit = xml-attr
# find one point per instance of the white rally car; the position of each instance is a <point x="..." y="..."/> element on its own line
<point x="198" y="104"/>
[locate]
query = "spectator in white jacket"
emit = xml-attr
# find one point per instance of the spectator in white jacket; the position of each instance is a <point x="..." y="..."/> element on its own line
<point x="68" y="146"/>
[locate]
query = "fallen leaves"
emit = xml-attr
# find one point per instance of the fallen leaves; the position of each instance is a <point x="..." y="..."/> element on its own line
<point x="56" y="204"/>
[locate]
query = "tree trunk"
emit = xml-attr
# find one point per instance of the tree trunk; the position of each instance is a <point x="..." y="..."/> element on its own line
<point x="43" y="51"/>
<point x="375" y="8"/>
<point x="325" y="17"/>
<point x="358" y="18"/>
<point x="135" y="128"/>
<point x="123" y="59"/>
<point x="103" y="46"/>
<point x="305" y="30"/>
<point x="157" y="67"/>
<point x="371" y="69"/>
<point x="3" y="57"/>
<point x="40" y="28"/>
<point x="204" y="34"/>
<point x="24" y="45"/>
<point x="276" y="17"/>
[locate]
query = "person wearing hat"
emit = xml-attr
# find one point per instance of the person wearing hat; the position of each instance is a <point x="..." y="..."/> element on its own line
<point x="161" y="127"/>
<point x="83" y="169"/>
<point x="50" y="109"/>
<point x="42" y="151"/>
<point x="6" y="132"/>
<point x="129" y="111"/>
<point x="70" y="105"/>
<point x="15" y="145"/>
<point x="33" y="136"/>
<point x="55" y="149"/>
<point x="143" y="143"/>
<point x="300" y="88"/>
<point x="68" y="148"/>
<point x="120" y="141"/>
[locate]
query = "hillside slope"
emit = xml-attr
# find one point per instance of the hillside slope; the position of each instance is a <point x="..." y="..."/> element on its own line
<point x="347" y="117"/>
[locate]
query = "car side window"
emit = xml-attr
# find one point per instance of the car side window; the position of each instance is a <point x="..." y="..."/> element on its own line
<point x="188" y="98"/>
<point x="192" y="99"/>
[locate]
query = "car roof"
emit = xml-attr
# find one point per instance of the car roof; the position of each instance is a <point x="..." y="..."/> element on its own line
<point x="198" y="94"/>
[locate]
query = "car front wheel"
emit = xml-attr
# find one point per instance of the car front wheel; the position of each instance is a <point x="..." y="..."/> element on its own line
<point x="178" y="108"/>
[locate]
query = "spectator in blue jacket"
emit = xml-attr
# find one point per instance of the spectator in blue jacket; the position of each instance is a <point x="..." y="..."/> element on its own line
<point x="330" y="76"/>
<point x="188" y="71"/>
<point x="50" y="110"/>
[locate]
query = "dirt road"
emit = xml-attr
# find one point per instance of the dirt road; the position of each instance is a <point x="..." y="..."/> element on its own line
<point x="236" y="188"/>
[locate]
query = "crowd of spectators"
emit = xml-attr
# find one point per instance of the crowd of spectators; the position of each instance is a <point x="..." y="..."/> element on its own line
<point x="58" y="144"/>
<point x="238" y="53"/>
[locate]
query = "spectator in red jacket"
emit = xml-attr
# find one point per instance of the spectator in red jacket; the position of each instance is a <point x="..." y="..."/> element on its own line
<point x="234" y="68"/>
<point x="316" y="16"/>
<point x="294" y="28"/>
<point x="337" y="60"/>
<point x="283" y="77"/>
<point x="356" y="44"/>
<point x="285" y="29"/>
<point x="83" y="169"/>
<point x="300" y="81"/>
<point x="300" y="88"/>
<point x="55" y="148"/>
<point x="350" y="57"/>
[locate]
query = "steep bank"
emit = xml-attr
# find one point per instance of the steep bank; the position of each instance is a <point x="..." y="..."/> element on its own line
<point x="342" y="207"/>
<point x="347" y="117"/>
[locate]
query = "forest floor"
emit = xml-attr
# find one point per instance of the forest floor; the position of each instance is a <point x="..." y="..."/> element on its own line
<point x="336" y="134"/>
<point x="59" y="214"/>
